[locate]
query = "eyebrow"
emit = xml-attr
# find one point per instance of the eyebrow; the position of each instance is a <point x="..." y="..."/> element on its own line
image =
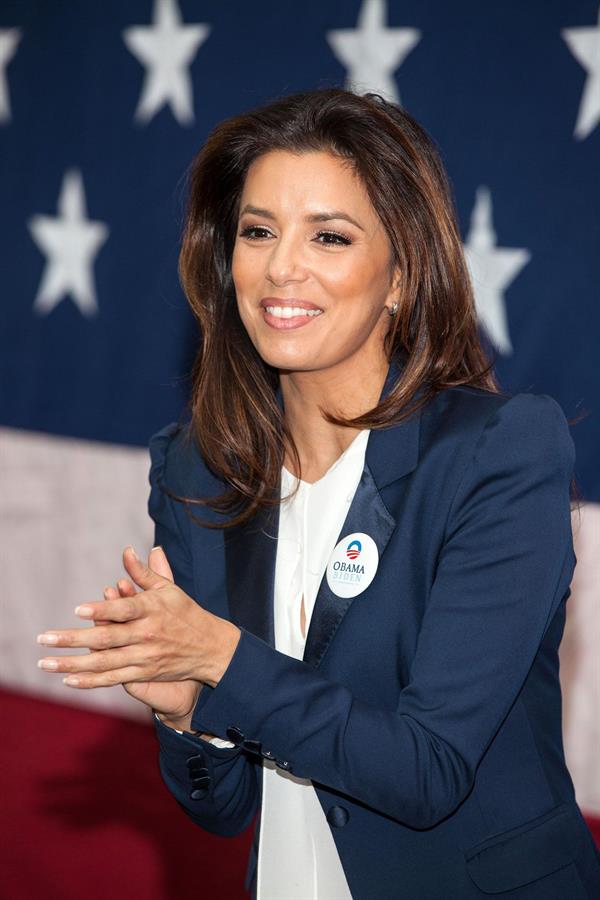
<point x="324" y="216"/>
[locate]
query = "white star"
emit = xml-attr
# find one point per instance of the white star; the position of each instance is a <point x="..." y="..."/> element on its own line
<point x="166" y="48"/>
<point x="9" y="39"/>
<point x="492" y="270"/>
<point x="371" y="52"/>
<point x="70" y="241"/>
<point x="584" y="44"/>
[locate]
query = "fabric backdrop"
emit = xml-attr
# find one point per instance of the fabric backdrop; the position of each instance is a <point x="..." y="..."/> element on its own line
<point x="102" y="106"/>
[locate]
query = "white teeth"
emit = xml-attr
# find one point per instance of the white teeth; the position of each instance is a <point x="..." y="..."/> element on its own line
<point x="286" y="312"/>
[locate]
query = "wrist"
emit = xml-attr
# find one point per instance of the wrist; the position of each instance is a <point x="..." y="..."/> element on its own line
<point x="180" y="718"/>
<point x="177" y="723"/>
<point x="185" y="727"/>
<point x="230" y="636"/>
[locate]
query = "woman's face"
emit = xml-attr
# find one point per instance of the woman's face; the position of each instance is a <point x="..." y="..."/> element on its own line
<point x="296" y="253"/>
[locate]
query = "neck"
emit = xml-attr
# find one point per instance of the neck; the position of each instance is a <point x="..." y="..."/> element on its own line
<point x="318" y="441"/>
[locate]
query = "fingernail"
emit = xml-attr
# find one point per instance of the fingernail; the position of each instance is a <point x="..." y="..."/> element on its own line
<point x="47" y="664"/>
<point x="72" y="680"/>
<point x="85" y="612"/>
<point x="158" y="547"/>
<point x="133" y="553"/>
<point x="47" y="639"/>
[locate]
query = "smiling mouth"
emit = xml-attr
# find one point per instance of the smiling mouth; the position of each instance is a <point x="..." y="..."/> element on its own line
<point x="290" y="312"/>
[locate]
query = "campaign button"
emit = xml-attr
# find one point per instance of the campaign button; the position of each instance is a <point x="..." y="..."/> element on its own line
<point x="352" y="565"/>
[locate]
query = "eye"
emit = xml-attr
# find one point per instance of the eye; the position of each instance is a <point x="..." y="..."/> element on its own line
<point x="338" y="239"/>
<point x="246" y="232"/>
<point x="342" y="239"/>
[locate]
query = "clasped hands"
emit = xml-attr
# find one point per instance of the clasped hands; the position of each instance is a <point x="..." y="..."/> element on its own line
<point x="158" y="642"/>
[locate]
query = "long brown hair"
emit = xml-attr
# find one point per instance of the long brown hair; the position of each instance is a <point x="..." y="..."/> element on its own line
<point x="236" y="420"/>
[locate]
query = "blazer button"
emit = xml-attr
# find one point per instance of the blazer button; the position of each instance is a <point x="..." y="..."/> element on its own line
<point x="202" y="781"/>
<point x="197" y="760"/>
<point x="198" y="772"/>
<point x="252" y="746"/>
<point x="268" y="754"/>
<point x="234" y="734"/>
<point x="198" y="793"/>
<point x="337" y="816"/>
<point x="282" y="764"/>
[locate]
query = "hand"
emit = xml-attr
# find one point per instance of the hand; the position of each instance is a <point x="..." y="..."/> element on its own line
<point x="160" y="634"/>
<point x="173" y="701"/>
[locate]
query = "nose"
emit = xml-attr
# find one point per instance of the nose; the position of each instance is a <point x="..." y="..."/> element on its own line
<point x="285" y="261"/>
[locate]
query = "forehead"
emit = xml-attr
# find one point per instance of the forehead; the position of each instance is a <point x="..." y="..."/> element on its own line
<point x="315" y="176"/>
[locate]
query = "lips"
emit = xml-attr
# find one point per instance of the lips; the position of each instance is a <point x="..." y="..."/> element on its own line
<point x="290" y="313"/>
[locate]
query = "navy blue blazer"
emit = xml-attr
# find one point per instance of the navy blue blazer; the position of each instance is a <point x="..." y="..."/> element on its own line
<point x="427" y="709"/>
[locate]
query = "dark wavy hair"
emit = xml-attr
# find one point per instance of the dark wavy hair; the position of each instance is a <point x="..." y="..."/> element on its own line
<point x="236" y="420"/>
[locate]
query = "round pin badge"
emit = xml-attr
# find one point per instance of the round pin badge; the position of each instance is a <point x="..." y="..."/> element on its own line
<point x="352" y="565"/>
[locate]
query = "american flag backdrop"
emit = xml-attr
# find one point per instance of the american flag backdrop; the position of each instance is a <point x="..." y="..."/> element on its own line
<point x="102" y="107"/>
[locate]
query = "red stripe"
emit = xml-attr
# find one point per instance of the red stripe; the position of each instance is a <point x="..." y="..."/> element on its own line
<point x="85" y="813"/>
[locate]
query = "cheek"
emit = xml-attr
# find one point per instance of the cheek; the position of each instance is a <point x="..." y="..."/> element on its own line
<point x="352" y="276"/>
<point x="246" y="267"/>
<point x="246" y="279"/>
<point x="238" y="268"/>
<point x="359" y="314"/>
<point x="357" y="289"/>
<point x="343" y="276"/>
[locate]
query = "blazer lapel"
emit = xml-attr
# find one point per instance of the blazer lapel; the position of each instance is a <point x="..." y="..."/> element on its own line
<point x="250" y="554"/>
<point x="251" y="549"/>
<point x="367" y="513"/>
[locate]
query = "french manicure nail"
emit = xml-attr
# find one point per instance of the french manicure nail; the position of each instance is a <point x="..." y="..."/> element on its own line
<point x="72" y="680"/>
<point x="49" y="664"/>
<point x="47" y="639"/>
<point x="133" y="553"/>
<point x="84" y="611"/>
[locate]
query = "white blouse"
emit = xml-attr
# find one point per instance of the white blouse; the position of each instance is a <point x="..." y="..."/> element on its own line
<point x="297" y="856"/>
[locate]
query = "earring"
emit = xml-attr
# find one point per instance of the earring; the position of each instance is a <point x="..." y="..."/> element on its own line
<point x="393" y="309"/>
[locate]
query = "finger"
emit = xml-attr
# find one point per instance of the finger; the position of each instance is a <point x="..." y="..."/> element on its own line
<point x="103" y="679"/>
<point x="102" y="661"/>
<point x="122" y="609"/>
<point x="158" y="562"/>
<point x="109" y="594"/>
<point x="126" y="587"/>
<point x="102" y="637"/>
<point x="142" y="574"/>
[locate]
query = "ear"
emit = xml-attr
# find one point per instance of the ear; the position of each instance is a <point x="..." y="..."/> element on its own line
<point x="396" y="282"/>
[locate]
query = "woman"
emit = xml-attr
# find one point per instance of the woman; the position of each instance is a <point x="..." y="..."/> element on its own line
<point x="358" y="638"/>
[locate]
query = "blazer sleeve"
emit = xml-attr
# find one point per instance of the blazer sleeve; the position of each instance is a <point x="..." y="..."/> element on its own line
<point x="506" y="562"/>
<point x="215" y="785"/>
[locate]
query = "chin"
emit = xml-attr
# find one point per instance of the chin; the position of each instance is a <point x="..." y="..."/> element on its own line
<point x="294" y="362"/>
<point x="279" y="350"/>
<point x="292" y="359"/>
